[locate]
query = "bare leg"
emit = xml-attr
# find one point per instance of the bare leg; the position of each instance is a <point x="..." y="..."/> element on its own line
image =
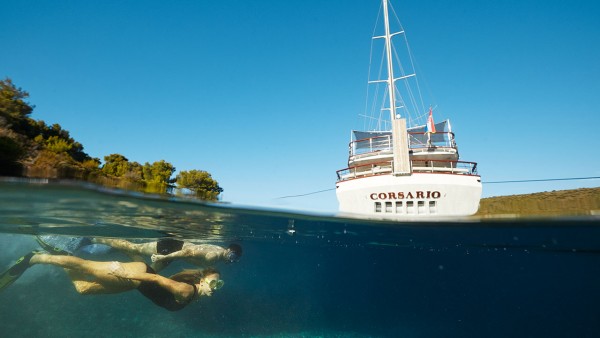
<point x="91" y="276"/>
<point x="85" y="286"/>
<point x="134" y="250"/>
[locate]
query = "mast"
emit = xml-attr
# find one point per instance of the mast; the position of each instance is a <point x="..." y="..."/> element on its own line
<point x="390" y="67"/>
<point x="399" y="133"/>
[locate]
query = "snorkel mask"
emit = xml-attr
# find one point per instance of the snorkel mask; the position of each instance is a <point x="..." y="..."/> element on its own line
<point x="234" y="254"/>
<point x="232" y="257"/>
<point x="216" y="284"/>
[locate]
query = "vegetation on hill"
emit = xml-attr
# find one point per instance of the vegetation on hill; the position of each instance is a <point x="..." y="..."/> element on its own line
<point x="584" y="201"/>
<point x="31" y="148"/>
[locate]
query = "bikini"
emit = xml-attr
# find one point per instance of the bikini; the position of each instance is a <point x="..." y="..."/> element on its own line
<point x="161" y="296"/>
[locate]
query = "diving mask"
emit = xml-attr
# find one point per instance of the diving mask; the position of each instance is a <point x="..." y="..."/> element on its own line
<point x="216" y="284"/>
<point x="232" y="257"/>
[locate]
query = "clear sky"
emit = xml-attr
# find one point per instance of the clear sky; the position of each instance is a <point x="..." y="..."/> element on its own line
<point x="263" y="94"/>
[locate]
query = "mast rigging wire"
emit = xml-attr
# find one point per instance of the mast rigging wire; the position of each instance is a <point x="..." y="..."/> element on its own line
<point x="490" y="182"/>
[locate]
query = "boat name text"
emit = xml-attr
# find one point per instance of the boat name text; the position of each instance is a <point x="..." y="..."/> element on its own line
<point x="402" y="195"/>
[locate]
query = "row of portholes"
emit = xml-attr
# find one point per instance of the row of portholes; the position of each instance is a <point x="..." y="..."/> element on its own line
<point x="408" y="207"/>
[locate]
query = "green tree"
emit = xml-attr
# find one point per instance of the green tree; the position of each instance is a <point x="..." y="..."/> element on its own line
<point x="91" y="164"/>
<point x="14" y="110"/>
<point x="58" y="145"/>
<point x="116" y="165"/>
<point x="50" y="151"/>
<point x="135" y="172"/>
<point x="200" y="183"/>
<point x="158" y="172"/>
<point x="53" y="134"/>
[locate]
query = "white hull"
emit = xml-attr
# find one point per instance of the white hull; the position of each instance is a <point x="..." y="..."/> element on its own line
<point x="405" y="166"/>
<point x="418" y="195"/>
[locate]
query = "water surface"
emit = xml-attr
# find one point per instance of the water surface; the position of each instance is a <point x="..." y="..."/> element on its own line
<point x="304" y="275"/>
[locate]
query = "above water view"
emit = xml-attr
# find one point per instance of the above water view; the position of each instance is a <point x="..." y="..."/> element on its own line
<point x="285" y="274"/>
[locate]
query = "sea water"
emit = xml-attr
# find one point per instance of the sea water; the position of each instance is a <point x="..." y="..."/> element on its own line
<point x="306" y="275"/>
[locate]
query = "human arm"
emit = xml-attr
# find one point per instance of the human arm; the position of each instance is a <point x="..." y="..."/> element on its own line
<point x="186" y="252"/>
<point x="197" y="253"/>
<point x="182" y="291"/>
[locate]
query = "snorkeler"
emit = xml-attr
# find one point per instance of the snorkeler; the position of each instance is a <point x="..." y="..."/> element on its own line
<point x="92" y="277"/>
<point x="165" y="250"/>
<point x="162" y="252"/>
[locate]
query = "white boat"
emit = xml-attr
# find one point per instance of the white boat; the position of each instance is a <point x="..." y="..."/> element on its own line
<point x="404" y="165"/>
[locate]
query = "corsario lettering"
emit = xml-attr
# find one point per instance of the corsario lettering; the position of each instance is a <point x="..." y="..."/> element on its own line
<point x="405" y="195"/>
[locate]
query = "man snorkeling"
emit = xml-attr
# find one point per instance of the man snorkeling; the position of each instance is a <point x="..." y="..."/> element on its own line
<point x="165" y="250"/>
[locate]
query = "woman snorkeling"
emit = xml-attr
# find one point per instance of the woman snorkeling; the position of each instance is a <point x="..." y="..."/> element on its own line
<point x="92" y="277"/>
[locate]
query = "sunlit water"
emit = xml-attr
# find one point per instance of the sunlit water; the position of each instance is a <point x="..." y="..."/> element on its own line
<point x="304" y="275"/>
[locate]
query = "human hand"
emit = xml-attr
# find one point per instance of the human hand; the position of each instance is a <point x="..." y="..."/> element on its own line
<point x="156" y="257"/>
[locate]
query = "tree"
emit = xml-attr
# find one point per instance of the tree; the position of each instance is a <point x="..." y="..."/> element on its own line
<point x="135" y="172"/>
<point x="157" y="176"/>
<point x="200" y="183"/>
<point x="158" y="172"/>
<point x="91" y="164"/>
<point x="33" y="148"/>
<point x="116" y="165"/>
<point x="55" y="136"/>
<point x="14" y="111"/>
<point x="58" y="145"/>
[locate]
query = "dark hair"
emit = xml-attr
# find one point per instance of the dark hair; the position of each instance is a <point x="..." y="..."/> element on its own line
<point x="236" y="248"/>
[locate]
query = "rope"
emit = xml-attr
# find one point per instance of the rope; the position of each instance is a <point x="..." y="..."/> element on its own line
<point x="491" y="182"/>
<point x="310" y="193"/>
<point x="545" y="180"/>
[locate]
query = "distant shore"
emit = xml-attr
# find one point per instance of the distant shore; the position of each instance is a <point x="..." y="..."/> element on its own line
<point x="576" y="202"/>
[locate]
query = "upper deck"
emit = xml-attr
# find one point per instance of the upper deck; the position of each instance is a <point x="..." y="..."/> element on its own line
<point x="428" y="153"/>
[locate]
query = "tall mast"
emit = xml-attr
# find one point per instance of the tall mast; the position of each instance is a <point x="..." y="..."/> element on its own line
<point x="401" y="158"/>
<point x="390" y="67"/>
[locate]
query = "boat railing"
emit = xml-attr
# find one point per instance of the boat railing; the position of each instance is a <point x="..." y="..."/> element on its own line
<point x="444" y="166"/>
<point x="417" y="140"/>
<point x="418" y="166"/>
<point x="431" y="140"/>
<point x="371" y="145"/>
<point x="365" y="170"/>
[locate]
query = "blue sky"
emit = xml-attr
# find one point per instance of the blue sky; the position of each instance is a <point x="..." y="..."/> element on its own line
<point x="263" y="94"/>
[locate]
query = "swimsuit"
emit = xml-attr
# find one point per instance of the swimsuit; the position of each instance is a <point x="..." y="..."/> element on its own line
<point x="161" y="296"/>
<point x="165" y="246"/>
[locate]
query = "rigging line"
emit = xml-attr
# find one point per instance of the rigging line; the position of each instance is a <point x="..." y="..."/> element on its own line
<point x="413" y="70"/>
<point x="546" y="180"/>
<point x="493" y="182"/>
<point x="310" y="193"/>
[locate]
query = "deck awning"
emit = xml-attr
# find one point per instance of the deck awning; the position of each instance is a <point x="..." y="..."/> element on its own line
<point x="441" y="136"/>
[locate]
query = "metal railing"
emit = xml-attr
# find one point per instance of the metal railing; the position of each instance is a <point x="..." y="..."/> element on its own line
<point x="371" y="145"/>
<point x="416" y="140"/>
<point x="418" y="166"/>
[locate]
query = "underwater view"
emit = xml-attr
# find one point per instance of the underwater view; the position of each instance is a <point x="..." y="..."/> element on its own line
<point x="285" y="274"/>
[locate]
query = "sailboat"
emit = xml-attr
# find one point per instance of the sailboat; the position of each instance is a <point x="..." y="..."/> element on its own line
<point x="404" y="165"/>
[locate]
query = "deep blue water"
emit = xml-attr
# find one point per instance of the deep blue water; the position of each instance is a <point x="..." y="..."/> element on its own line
<point x="305" y="275"/>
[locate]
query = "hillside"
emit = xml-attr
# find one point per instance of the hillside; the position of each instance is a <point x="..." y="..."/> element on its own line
<point x="585" y="201"/>
<point x="32" y="148"/>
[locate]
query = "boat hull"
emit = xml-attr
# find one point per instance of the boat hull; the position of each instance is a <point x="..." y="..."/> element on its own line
<point x="411" y="196"/>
